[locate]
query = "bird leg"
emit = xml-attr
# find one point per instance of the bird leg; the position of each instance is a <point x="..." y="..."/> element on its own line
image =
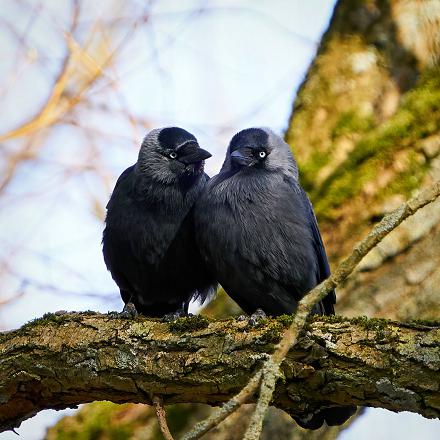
<point x="129" y="311"/>
<point x="180" y="313"/>
<point x="256" y="318"/>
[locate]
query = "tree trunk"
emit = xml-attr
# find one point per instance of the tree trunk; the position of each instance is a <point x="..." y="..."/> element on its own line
<point x="63" y="360"/>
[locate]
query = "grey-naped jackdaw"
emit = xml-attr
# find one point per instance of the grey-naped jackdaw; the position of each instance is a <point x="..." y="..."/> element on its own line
<point x="258" y="233"/>
<point x="149" y="240"/>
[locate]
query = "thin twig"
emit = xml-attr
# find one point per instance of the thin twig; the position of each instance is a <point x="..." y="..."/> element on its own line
<point x="290" y="337"/>
<point x="162" y="418"/>
<point x="271" y="373"/>
<point x="224" y="411"/>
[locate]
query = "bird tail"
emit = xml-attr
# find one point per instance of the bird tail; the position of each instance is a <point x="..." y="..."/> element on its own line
<point x="326" y="306"/>
<point x="203" y="296"/>
<point x="333" y="416"/>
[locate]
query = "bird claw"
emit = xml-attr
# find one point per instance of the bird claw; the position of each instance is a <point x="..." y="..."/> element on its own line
<point x="175" y="315"/>
<point x="128" y="312"/>
<point x="257" y="317"/>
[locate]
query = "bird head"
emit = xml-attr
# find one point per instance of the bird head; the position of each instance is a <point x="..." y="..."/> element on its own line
<point x="259" y="149"/>
<point x="171" y="154"/>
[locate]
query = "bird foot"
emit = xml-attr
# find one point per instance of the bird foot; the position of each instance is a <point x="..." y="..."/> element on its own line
<point x="257" y="317"/>
<point x="175" y="315"/>
<point x="128" y="312"/>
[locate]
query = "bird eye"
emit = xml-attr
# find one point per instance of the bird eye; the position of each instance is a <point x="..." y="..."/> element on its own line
<point x="262" y="154"/>
<point x="173" y="155"/>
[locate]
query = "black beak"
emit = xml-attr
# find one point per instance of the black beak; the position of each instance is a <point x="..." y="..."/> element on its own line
<point x="243" y="157"/>
<point x="191" y="153"/>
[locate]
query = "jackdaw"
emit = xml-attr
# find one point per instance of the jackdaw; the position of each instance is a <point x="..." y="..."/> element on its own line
<point x="149" y="241"/>
<point x="258" y="233"/>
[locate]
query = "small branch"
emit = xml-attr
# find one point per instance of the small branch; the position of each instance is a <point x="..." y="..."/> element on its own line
<point x="233" y="404"/>
<point x="271" y="373"/>
<point x="162" y="418"/>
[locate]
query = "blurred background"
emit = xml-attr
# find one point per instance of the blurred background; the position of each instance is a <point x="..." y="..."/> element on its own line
<point x="81" y="82"/>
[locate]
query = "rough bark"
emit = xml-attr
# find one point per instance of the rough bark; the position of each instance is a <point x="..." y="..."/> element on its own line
<point x="64" y="360"/>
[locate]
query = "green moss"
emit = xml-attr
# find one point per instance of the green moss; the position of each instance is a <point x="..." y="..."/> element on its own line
<point x="331" y="319"/>
<point x="377" y="324"/>
<point x="418" y="117"/>
<point x="55" y="318"/>
<point x="94" y="421"/>
<point x="311" y="167"/>
<point x="272" y="332"/>
<point x="406" y="182"/>
<point x="189" y="323"/>
<point x="380" y="335"/>
<point x="351" y="122"/>
<point x="285" y="320"/>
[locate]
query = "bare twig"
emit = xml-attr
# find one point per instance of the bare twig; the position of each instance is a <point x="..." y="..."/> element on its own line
<point x="290" y="337"/>
<point x="14" y="297"/>
<point x="228" y="408"/>
<point x="271" y="373"/>
<point x="162" y="418"/>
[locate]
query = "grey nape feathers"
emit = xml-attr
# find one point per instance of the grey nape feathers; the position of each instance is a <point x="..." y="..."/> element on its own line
<point x="258" y="233"/>
<point x="149" y="239"/>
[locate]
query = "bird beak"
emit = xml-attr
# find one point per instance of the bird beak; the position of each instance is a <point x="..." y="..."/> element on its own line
<point x="243" y="156"/>
<point x="191" y="153"/>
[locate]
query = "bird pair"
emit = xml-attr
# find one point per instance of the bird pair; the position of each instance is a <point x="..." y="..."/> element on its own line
<point x="172" y="233"/>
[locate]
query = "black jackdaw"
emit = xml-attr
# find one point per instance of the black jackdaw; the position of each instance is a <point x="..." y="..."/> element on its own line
<point x="258" y="233"/>
<point x="148" y="241"/>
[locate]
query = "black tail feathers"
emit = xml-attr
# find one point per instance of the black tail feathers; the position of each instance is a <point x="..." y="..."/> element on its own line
<point x="333" y="416"/>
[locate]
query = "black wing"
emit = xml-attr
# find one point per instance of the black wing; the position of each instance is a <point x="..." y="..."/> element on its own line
<point x="115" y="248"/>
<point x="266" y="250"/>
<point x="121" y="179"/>
<point x="324" y="268"/>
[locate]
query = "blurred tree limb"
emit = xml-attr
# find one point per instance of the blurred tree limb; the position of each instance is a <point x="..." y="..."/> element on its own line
<point x="63" y="360"/>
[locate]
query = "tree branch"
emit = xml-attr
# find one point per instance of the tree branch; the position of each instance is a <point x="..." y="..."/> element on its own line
<point x="162" y="418"/>
<point x="63" y="360"/>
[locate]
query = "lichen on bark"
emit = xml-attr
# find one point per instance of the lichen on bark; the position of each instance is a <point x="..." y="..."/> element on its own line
<point x="64" y="360"/>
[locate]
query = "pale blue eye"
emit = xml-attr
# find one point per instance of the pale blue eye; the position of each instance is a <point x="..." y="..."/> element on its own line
<point x="262" y="154"/>
<point x="173" y="155"/>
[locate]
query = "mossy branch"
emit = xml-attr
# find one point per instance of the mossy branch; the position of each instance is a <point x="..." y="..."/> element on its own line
<point x="63" y="360"/>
